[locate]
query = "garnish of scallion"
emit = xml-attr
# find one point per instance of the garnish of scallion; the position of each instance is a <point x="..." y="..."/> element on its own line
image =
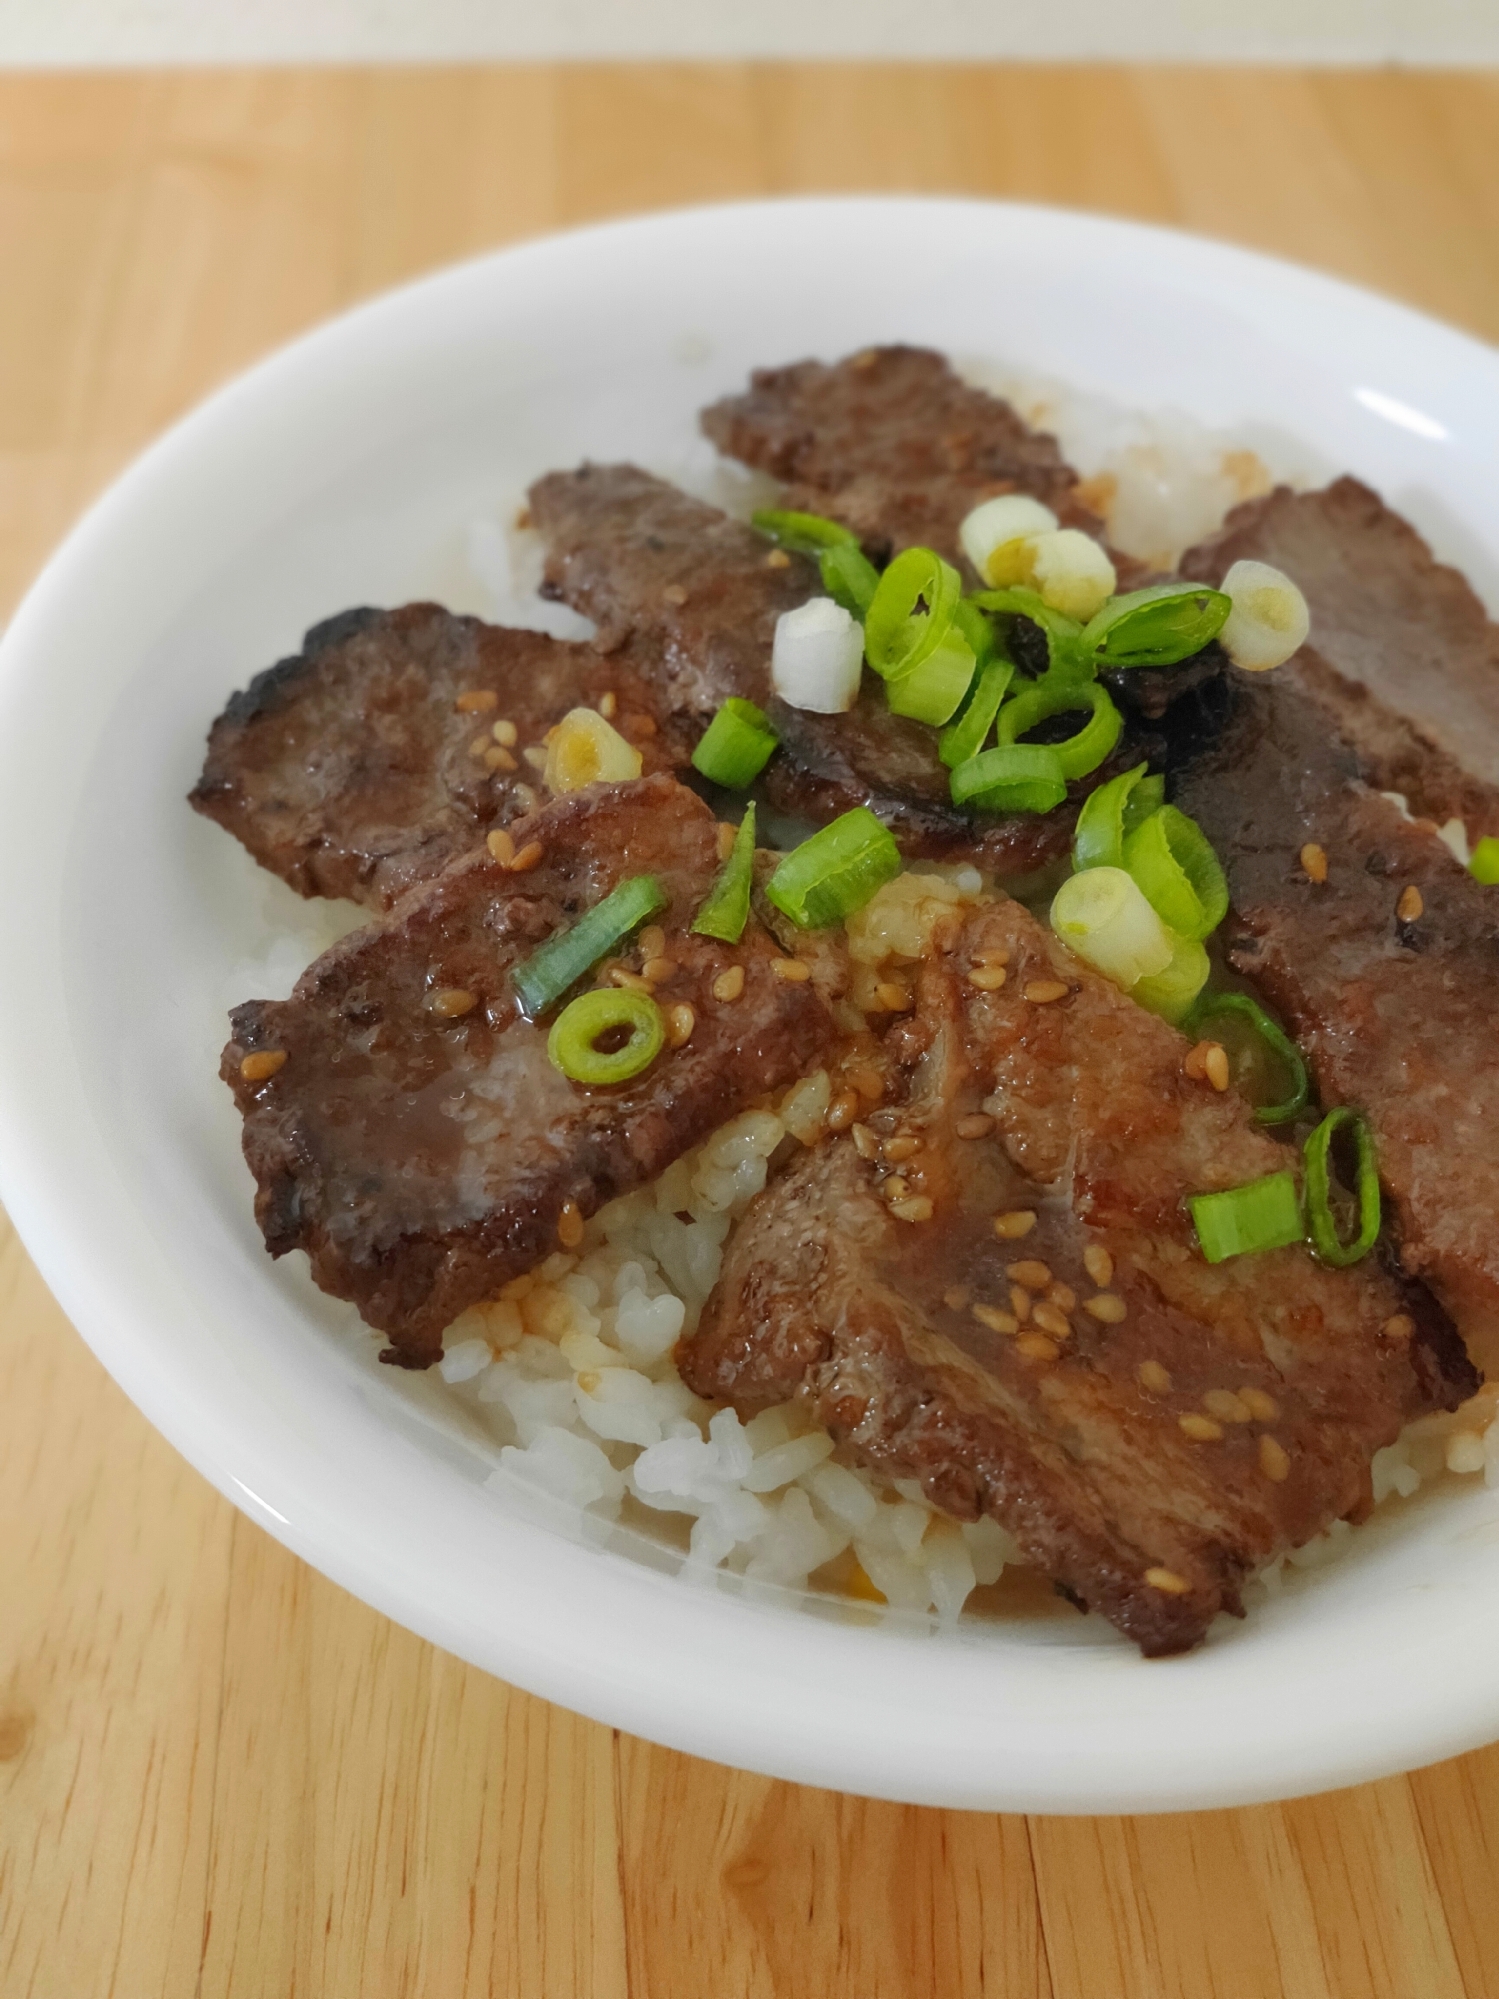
<point x="836" y="872"/>
<point x="1112" y="812"/>
<point x="736" y="745"/>
<point x="1321" y="1221"/>
<point x="1263" y="1214"/>
<point x="848" y="576"/>
<point x="1215" y="1005"/>
<point x="1484" y="865"/>
<point x="630" y="1021"/>
<point x="1158" y="626"/>
<point x="1018" y="777"/>
<point x="726" y="910"/>
<point x="966" y="736"/>
<point x="1079" y="753"/>
<point x="1170" y="857"/>
<point x="542" y="979"/>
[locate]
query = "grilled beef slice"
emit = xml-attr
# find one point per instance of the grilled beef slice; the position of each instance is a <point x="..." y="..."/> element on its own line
<point x="1394" y="1015"/>
<point x="702" y="593"/>
<point x="1149" y="1460"/>
<point x="423" y="1159"/>
<point x="1401" y="652"/>
<point x="894" y="445"/>
<point x="351" y="770"/>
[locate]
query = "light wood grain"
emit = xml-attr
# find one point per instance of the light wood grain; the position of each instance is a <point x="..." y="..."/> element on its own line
<point x="218" y="1774"/>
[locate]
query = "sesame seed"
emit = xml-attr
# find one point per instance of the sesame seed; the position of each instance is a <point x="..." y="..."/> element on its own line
<point x="956" y="1297"/>
<point x="1020" y="1302"/>
<point x="642" y="726"/>
<point x="658" y="970"/>
<point x="1262" y="1407"/>
<point x="501" y="846"/>
<point x="1195" y="1061"/>
<point x="726" y="835"/>
<point x="1041" y="992"/>
<point x="1215" y="1065"/>
<point x="865" y="1143"/>
<point x="674" y="593"/>
<point x="992" y="954"/>
<point x="1410" y="904"/>
<point x="570" y="1225"/>
<point x="450" y="1002"/>
<point x="1399" y="1328"/>
<point x="523" y="862"/>
<point x="499" y="759"/>
<point x="609" y="705"/>
<point x="902" y="1146"/>
<point x="476" y="700"/>
<point x="1109" y="1309"/>
<point x="589" y="1380"/>
<point x="1050" y="1320"/>
<point x="480" y="746"/>
<point x="1015" y="1222"/>
<point x="730" y="984"/>
<point x="651" y="941"/>
<point x="1202" y="1429"/>
<point x="535" y="756"/>
<point x="262" y="1065"/>
<point x="868" y="1082"/>
<point x="1061" y="1295"/>
<point x="995" y="1320"/>
<point x="680" y="1021"/>
<point x="896" y="1187"/>
<point x="1274" y="1462"/>
<point x="978" y="1125"/>
<point x="893" y="998"/>
<point x="635" y="982"/>
<point x="505" y="733"/>
<point x="842" y="1111"/>
<point x="917" y="1209"/>
<point x="791" y="970"/>
<point x="1036" y="1275"/>
<point x="1314" y="862"/>
<point x="1226" y="1406"/>
<point x="524" y="797"/>
<point x="989" y="978"/>
<point x="1167" y="1581"/>
<point x="1150" y="1374"/>
<point x="1098" y="1264"/>
<point x="778" y="559"/>
<point x="1035" y="1346"/>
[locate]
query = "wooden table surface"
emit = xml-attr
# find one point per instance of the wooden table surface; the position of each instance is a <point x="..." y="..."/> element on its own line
<point x="218" y="1774"/>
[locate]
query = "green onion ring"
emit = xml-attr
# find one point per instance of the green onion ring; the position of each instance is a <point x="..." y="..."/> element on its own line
<point x="834" y="873"/>
<point x="542" y="979"/>
<point x="1109" y="813"/>
<point x="897" y="638"/>
<point x="726" y="909"/>
<point x="1319" y="1215"/>
<point x="1214" y="1005"/>
<point x="1016" y="777"/>
<point x="1169" y="856"/>
<point x="1158" y="626"/>
<point x="849" y="577"/>
<point x="934" y="691"/>
<point x="805" y="534"/>
<point x="965" y="737"/>
<point x="572" y="1043"/>
<point x="736" y="745"/>
<point x="1081" y="753"/>
<point x="1484" y="865"/>
<point x="1262" y="1214"/>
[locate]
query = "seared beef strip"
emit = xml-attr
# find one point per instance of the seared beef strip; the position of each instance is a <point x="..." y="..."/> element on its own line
<point x="1402" y="652"/>
<point x="1394" y="1013"/>
<point x="1147" y="1460"/>
<point x="423" y="1157"/>
<point x="894" y="445"/>
<point x="702" y="593"/>
<point x="351" y="770"/>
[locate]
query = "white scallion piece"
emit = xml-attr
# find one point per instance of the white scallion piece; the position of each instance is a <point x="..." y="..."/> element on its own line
<point x="994" y="534"/>
<point x="818" y="657"/>
<point x="1103" y="916"/>
<point x="1269" y="619"/>
<point x="584" y="749"/>
<point x="1071" y="572"/>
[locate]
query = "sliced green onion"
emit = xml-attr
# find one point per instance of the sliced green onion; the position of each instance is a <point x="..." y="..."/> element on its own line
<point x="606" y="1012"/>
<point x="1263" y="1214"/>
<point x="1215" y="1005"/>
<point x="897" y="635"/>
<point x="1170" y="993"/>
<point x="849" y="577"/>
<point x="834" y="873"/>
<point x="726" y="910"/>
<point x="546" y="975"/>
<point x="1020" y="777"/>
<point x="736" y="745"/>
<point x="977" y="629"/>
<point x="966" y="737"/>
<point x="1102" y="915"/>
<point x="1148" y="796"/>
<point x="1157" y="626"/>
<point x="1064" y="645"/>
<point x="1104" y="820"/>
<point x="806" y="534"/>
<point x="1169" y="856"/>
<point x="1320" y="1219"/>
<point x="1093" y="742"/>
<point x="933" y="691"/>
<point x="1484" y="866"/>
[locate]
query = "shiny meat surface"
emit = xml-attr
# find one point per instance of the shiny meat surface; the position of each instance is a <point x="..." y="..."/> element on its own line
<point x="893" y="444"/>
<point x="351" y="770"/>
<point x="1147" y="1455"/>
<point x="423" y="1157"/>
<point x="1401" y="650"/>
<point x="1394" y="1013"/>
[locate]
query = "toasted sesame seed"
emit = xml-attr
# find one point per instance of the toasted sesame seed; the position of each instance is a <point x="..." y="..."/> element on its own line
<point x="535" y="756"/>
<point x="1410" y="904"/>
<point x="658" y="970"/>
<point x="476" y="701"/>
<point x="1262" y="1407"/>
<point x="1108" y="1308"/>
<point x="865" y="1142"/>
<point x="480" y="746"/>
<point x="674" y="593"/>
<point x="499" y="759"/>
<point x="956" y="1297"/>
<point x="262" y="1065"/>
<point x="639" y="726"/>
<point x="1041" y="992"/>
<point x="842" y="1111"/>
<point x="523" y="862"/>
<point x="651" y="941"/>
<point x="501" y="846"/>
<point x="1195" y="1061"/>
<point x="989" y="978"/>
<point x="680" y="1021"/>
<point x="893" y="998"/>
<point x="868" y="1082"/>
<point x="978" y="1125"/>
<point x="635" y="982"/>
<point x="609" y="704"/>
<point x="917" y="1209"/>
<point x="896" y="1187"/>
<point x="1050" y="1320"/>
<point x="995" y="1320"/>
<point x="1215" y="1065"/>
<point x="1098" y="1264"/>
<point x="1032" y="1272"/>
<point x="902" y="1145"/>
<point x="778" y="559"/>
<point x="524" y="796"/>
<point x="570" y="1225"/>
<point x="590" y="1379"/>
<point x="1020" y="1302"/>
<point x="1201" y="1428"/>
<point x="451" y="1001"/>
<point x="1150" y="1374"/>
<point x="1036" y="1346"/>
<point x="729" y="984"/>
<point x="505" y="734"/>
<point x="726" y="836"/>
<point x="1314" y="862"/>
<point x="1014" y="1223"/>
<point x="992" y="954"/>
<point x="791" y="970"/>
<point x="1227" y="1406"/>
<point x="1061" y="1295"/>
<point x="1167" y="1581"/>
<point x="1274" y="1462"/>
<point x="1399" y="1328"/>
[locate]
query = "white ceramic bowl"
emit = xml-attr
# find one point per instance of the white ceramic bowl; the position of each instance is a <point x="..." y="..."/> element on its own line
<point x="339" y="472"/>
